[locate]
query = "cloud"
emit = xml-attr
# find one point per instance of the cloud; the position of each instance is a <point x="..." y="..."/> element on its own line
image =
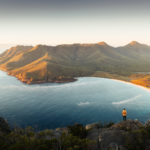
<point x="126" y="101"/>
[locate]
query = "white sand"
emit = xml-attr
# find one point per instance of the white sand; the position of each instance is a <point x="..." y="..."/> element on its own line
<point x="139" y="86"/>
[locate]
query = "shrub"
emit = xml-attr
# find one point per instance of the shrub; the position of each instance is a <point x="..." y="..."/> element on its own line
<point x="78" y="130"/>
<point x="4" y="126"/>
<point x="135" y="140"/>
<point x="26" y="139"/>
<point x="105" y="124"/>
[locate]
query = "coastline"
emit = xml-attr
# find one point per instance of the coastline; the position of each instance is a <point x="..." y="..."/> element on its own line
<point x="45" y="81"/>
<point x="139" y="86"/>
<point x="120" y="78"/>
<point x="28" y="81"/>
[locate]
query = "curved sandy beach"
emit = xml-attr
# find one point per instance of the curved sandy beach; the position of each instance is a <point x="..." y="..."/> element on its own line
<point x="139" y="86"/>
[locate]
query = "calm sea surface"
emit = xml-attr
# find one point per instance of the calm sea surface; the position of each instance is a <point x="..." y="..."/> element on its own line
<point x="88" y="100"/>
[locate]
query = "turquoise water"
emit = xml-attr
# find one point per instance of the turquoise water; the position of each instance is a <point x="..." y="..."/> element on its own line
<point x="88" y="100"/>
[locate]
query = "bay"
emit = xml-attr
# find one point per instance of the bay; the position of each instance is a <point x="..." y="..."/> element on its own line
<point x="88" y="100"/>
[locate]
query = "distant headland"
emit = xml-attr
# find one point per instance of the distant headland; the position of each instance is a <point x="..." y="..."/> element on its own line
<point x="63" y="63"/>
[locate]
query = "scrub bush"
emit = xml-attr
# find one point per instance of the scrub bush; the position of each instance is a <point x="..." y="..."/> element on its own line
<point x="136" y="140"/>
<point x="78" y="130"/>
<point x="27" y="139"/>
<point x="105" y="124"/>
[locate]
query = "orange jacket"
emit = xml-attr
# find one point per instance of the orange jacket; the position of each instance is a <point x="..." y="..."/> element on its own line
<point x="124" y="113"/>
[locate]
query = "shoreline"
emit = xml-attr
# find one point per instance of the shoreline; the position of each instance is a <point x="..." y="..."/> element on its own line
<point x="51" y="81"/>
<point x="28" y="81"/>
<point x="139" y="86"/>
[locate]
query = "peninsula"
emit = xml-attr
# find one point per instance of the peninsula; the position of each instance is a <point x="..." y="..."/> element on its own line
<point x="62" y="63"/>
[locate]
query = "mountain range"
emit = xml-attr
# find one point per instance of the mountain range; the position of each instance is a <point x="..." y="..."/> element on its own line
<point x="62" y="63"/>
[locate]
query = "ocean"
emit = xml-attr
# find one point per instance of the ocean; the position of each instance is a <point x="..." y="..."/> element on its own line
<point x="88" y="100"/>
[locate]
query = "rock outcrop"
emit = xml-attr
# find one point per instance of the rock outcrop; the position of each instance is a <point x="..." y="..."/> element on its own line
<point x="111" y="138"/>
<point x="127" y="125"/>
<point x="93" y="126"/>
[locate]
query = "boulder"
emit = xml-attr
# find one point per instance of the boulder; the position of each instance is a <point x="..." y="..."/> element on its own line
<point x="111" y="136"/>
<point x="103" y="129"/>
<point x="126" y="125"/>
<point x="93" y="126"/>
<point x="138" y="123"/>
<point x="147" y="148"/>
<point x="113" y="145"/>
<point x="93" y="135"/>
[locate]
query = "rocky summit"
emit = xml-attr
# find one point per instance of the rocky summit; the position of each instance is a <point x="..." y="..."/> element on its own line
<point x="106" y="138"/>
<point x="113" y="138"/>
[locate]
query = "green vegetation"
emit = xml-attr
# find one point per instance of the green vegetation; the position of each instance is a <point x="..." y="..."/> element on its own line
<point x="27" y="139"/>
<point x="78" y="130"/>
<point x="4" y="126"/>
<point x="136" y="140"/>
<point x="64" y="62"/>
<point x="105" y="124"/>
<point x="103" y="74"/>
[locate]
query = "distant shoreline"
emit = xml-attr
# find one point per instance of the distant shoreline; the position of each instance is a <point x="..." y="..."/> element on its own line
<point x="139" y="86"/>
<point x="27" y="81"/>
<point x="73" y="80"/>
<point x="51" y="81"/>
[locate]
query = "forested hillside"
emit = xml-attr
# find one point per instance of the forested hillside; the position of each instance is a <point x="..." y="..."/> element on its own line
<point x="64" y="62"/>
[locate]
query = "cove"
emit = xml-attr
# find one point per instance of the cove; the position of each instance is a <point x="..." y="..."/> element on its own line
<point x="88" y="100"/>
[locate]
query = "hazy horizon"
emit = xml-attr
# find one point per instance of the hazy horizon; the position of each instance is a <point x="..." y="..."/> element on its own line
<point x="58" y="22"/>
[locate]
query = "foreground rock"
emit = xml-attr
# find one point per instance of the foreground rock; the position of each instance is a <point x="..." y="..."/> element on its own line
<point x="111" y="138"/>
<point x="127" y="125"/>
<point x="93" y="126"/>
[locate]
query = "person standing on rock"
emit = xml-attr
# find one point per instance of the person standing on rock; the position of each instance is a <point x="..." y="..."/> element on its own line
<point x="124" y="113"/>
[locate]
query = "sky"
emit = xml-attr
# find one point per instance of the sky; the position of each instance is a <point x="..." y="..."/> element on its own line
<point x="54" y="22"/>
